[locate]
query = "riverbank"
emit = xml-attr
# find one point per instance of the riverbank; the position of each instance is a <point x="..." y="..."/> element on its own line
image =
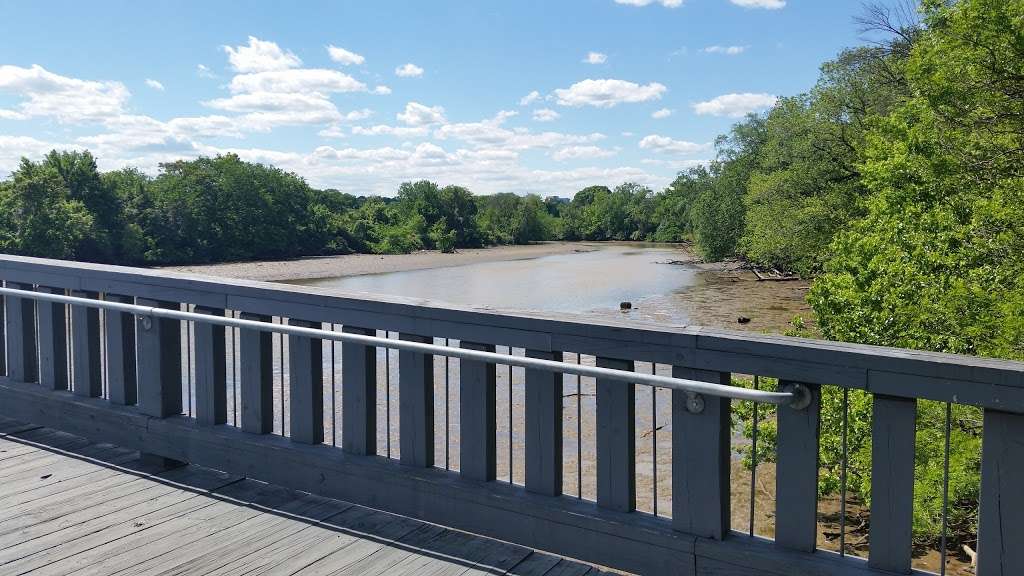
<point x="315" y="267"/>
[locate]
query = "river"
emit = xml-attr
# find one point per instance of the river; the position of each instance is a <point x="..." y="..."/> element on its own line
<point x="663" y="283"/>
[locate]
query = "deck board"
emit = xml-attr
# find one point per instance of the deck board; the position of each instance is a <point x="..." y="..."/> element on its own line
<point x="68" y="506"/>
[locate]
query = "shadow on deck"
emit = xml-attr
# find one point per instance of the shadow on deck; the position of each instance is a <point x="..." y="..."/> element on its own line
<point x="70" y="505"/>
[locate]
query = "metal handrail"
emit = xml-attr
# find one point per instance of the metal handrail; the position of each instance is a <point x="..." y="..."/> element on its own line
<point x="795" y="396"/>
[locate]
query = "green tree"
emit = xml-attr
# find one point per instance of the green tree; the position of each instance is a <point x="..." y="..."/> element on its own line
<point x="37" y="218"/>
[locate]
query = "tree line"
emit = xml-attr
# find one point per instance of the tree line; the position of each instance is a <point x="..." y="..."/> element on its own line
<point x="225" y="209"/>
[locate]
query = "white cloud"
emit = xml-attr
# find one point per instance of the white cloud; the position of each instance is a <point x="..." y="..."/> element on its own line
<point x="667" y="145"/>
<point x="396" y="131"/>
<point x="529" y="98"/>
<point x="382" y="90"/>
<point x="627" y="134"/>
<point x="665" y="3"/>
<point x="260" y="56"/>
<point x="204" y="72"/>
<point x="417" y="114"/>
<point x="409" y="70"/>
<point x="581" y="153"/>
<point x="595" y="58"/>
<point x="69" y="100"/>
<point x="490" y="133"/>
<point x="606" y="93"/>
<point x="302" y="80"/>
<point x="735" y="105"/>
<point x="766" y="4"/>
<point x="155" y="85"/>
<point x="727" y="50"/>
<point x="662" y="113"/>
<point x="545" y="115"/>
<point x="344" y="57"/>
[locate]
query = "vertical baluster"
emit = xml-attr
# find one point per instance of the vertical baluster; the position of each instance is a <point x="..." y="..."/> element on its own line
<point x="478" y="415"/>
<point x="53" y="351"/>
<point x="159" y="362"/>
<point x="753" y="459"/>
<point x="211" y="370"/>
<point x="22" y="363"/>
<point x="334" y="392"/>
<point x="543" y="427"/>
<point x="120" y="338"/>
<point x="579" y="432"/>
<point x="256" y="372"/>
<point x="359" y="390"/>
<point x="416" y="404"/>
<point x="616" y="440"/>
<point x="796" y="481"/>
<point x="842" y="479"/>
<point x="654" y="442"/>
<point x="3" y="325"/>
<point x="701" y="433"/>
<point x="1000" y="531"/>
<point x="86" y="343"/>
<point x="447" y="411"/>
<point x="945" y="490"/>
<point x="892" y="482"/>
<point x="305" y="386"/>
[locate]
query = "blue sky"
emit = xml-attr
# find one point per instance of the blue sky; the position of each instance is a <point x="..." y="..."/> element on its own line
<point x="525" y="96"/>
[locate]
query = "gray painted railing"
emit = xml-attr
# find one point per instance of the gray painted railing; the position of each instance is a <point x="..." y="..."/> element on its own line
<point x="111" y="377"/>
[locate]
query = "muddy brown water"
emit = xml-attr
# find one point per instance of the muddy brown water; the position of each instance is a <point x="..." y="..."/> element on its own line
<point x="592" y="280"/>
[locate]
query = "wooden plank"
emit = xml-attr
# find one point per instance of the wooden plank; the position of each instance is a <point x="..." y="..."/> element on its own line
<point x="1000" y="534"/>
<point x="279" y="522"/>
<point x="211" y="370"/>
<point x="21" y="336"/>
<point x="416" y="404"/>
<point x="122" y="381"/>
<point x="636" y="543"/>
<point x="892" y="483"/>
<point x="701" y="458"/>
<point x="382" y="559"/>
<point x="159" y="362"/>
<point x="478" y="454"/>
<point x="85" y="348"/>
<point x="536" y="564"/>
<point x="359" y="394"/>
<point x="257" y="377"/>
<point x="53" y="344"/>
<point x="796" y="481"/>
<point x="544" y="427"/>
<point x="616" y="440"/>
<point x="128" y="537"/>
<point x="306" y="386"/>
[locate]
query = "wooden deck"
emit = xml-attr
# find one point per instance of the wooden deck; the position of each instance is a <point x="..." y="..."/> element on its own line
<point x="71" y="506"/>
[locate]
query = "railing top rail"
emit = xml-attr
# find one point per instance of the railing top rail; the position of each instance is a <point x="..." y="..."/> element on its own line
<point x="965" y="379"/>
<point x="796" y="397"/>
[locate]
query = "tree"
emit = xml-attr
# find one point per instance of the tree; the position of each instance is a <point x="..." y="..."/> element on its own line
<point x="36" y="216"/>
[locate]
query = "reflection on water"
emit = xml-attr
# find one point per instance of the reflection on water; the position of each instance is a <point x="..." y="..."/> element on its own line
<point x="576" y="282"/>
<point x="596" y="280"/>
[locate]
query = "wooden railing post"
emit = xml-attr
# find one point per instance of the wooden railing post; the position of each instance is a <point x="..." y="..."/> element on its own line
<point x="306" y="386"/>
<point x="796" y="478"/>
<point x="416" y="404"/>
<point x="359" y="394"/>
<point x="159" y="358"/>
<point x="122" y="381"/>
<point x="701" y="435"/>
<point x="211" y="370"/>
<point x="85" y="348"/>
<point x="616" y="440"/>
<point x="256" y="360"/>
<point x="53" y="342"/>
<point x="892" y="483"/>
<point x="477" y="409"/>
<point x="21" y="336"/>
<point x="1000" y="532"/>
<point x="543" y="427"/>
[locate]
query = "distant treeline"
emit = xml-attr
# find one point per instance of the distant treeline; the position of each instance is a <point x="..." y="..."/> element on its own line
<point x="225" y="209"/>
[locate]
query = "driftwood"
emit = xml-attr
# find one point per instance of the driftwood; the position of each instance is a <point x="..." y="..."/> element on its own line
<point x="775" y="276"/>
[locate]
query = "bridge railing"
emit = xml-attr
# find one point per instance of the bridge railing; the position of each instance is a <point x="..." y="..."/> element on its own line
<point x="358" y="417"/>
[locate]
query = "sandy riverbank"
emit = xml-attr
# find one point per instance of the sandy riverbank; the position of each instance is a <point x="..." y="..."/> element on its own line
<point x="358" y="264"/>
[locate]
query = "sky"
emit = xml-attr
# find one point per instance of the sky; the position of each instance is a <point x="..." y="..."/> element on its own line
<point x="526" y="96"/>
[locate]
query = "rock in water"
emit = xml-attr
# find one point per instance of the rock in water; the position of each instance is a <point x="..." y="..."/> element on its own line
<point x="743" y="320"/>
<point x="625" y="305"/>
